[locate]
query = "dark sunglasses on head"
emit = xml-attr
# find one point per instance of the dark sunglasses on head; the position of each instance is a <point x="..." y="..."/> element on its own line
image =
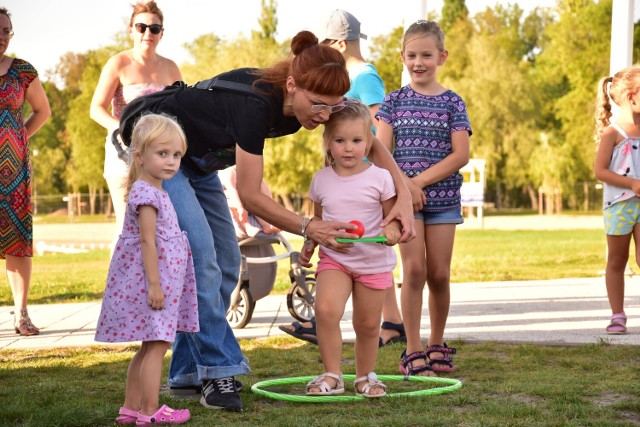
<point x="154" y="28"/>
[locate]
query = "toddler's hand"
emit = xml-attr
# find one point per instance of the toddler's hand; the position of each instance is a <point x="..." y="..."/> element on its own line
<point x="307" y="252"/>
<point x="392" y="234"/>
<point x="635" y="187"/>
<point x="155" y="298"/>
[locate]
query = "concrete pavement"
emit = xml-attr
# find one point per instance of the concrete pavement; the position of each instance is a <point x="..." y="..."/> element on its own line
<point x="561" y="312"/>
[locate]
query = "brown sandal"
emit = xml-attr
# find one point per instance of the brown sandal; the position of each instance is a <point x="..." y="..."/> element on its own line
<point x="24" y="326"/>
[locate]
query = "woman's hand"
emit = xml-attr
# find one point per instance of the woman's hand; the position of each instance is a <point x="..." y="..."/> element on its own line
<point x="325" y="233"/>
<point x="155" y="298"/>
<point x="402" y="211"/>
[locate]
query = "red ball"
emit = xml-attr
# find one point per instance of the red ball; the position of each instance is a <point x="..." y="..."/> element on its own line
<point x="360" y="230"/>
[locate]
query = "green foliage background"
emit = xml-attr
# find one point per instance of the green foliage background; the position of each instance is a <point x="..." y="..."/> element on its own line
<point x="528" y="81"/>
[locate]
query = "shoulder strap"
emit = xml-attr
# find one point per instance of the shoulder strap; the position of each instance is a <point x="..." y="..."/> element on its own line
<point x="227" y="84"/>
<point x="239" y="87"/>
<point x="619" y="129"/>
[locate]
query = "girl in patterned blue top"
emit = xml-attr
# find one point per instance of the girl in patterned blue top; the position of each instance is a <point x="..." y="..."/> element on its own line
<point x="617" y="165"/>
<point x="430" y="127"/>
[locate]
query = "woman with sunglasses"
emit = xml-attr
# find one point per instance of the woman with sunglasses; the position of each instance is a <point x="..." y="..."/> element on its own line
<point x="19" y="83"/>
<point x="300" y="91"/>
<point x="127" y="75"/>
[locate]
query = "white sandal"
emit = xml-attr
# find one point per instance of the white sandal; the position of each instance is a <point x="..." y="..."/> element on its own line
<point x="325" y="389"/>
<point x="372" y="383"/>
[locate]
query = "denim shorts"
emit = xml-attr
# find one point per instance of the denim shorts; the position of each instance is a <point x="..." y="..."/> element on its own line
<point x="446" y="217"/>
<point x="621" y="217"/>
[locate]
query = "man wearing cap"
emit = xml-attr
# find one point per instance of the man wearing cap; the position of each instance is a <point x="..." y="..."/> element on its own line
<point x="341" y="31"/>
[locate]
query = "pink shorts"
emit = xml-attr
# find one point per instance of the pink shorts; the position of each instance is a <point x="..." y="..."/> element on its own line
<point x="379" y="281"/>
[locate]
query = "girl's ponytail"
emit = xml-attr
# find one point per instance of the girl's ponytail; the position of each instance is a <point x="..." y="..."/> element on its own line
<point x="603" y="107"/>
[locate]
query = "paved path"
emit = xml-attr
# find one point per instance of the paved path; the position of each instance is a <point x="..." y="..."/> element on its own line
<point x="563" y="312"/>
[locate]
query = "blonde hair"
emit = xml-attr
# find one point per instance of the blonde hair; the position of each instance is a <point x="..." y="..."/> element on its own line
<point x="354" y="110"/>
<point x="148" y="129"/>
<point x="424" y="28"/>
<point x="624" y="81"/>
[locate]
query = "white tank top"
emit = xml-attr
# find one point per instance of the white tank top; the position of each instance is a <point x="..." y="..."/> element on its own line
<point x="625" y="161"/>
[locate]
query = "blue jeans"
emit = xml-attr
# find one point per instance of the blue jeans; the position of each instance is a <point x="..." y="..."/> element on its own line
<point x="204" y="214"/>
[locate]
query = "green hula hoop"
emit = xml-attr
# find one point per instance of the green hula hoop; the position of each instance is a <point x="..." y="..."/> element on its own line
<point x="450" y="386"/>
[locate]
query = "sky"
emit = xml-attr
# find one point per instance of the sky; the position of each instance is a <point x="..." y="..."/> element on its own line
<point x="45" y="29"/>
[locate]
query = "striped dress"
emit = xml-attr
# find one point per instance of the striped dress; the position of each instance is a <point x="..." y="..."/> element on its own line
<point x="16" y="237"/>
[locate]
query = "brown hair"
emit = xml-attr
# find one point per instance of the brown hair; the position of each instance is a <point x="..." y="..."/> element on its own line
<point x="316" y="67"/>
<point x="4" y="11"/>
<point x="422" y="28"/>
<point x="147" y="130"/>
<point x="146" y="7"/>
<point x="354" y="110"/>
<point x="624" y="81"/>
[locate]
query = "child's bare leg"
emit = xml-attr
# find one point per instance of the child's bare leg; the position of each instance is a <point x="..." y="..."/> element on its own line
<point x="367" y="311"/>
<point x="414" y="278"/>
<point x="439" y="243"/>
<point x="151" y="374"/>
<point x="617" y="258"/>
<point x="333" y="290"/>
<point x="133" y="393"/>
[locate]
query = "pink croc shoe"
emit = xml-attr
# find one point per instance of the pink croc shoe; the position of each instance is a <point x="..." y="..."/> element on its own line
<point x="127" y="416"/>
<point x="164" y="415"/>
<point x="618" y="324"/>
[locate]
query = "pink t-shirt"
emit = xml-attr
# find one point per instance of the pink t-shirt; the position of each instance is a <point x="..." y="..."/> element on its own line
<point x="359" y="197"/>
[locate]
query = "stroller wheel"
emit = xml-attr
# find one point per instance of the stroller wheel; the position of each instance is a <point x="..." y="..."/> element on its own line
<point x="299" y="304"/>
<point x="239" y="315"/>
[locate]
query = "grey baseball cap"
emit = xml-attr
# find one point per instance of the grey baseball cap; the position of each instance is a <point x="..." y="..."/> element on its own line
<point x="341" y="25"/>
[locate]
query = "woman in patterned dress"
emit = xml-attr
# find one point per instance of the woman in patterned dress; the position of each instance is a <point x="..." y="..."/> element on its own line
<point x="128" y="75"/>
<point x="18" y="83"/>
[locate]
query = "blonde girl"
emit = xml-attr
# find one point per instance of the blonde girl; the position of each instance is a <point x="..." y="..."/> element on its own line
<point x="617" y="165"/>
<point x="150" y="293"/>
<point x="427" y="127"/>
<point x="365" y="193"/>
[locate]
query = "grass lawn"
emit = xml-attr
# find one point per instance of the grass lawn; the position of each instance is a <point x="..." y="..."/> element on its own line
<point x="479" y="255"/>
<point x="503" y="385"/>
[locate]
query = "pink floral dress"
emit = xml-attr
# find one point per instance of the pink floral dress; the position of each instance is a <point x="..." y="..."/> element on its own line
<point x="125" y="314"/>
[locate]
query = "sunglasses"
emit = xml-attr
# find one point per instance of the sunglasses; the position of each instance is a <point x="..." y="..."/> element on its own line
<point x="154" y="28"/>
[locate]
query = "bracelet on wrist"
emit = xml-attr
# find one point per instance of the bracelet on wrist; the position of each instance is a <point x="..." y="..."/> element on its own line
<point x="305" y="224"/>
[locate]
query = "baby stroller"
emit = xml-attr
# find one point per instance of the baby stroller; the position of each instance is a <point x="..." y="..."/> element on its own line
<point x="258" y="270"/>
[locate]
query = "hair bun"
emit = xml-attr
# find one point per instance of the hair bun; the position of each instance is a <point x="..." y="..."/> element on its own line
<point x="303" y="40"/>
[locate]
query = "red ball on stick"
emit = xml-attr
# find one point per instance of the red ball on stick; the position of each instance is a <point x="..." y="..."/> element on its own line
<point x="360" y="230"/>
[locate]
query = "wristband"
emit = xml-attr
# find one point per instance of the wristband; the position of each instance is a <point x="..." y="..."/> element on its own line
<point x="305" y="223"/>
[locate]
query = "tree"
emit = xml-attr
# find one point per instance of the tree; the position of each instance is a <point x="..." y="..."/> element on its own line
<point x="49" y="147"/>
<point x="452" y="11"/>
<point x="385" y="56"/>
<point x="575" y="52"/>
<point x="86" y="137"/>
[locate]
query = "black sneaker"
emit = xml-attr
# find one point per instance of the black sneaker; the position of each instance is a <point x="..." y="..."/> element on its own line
<point x="221" y="393"/>
<point x="190" y="391"/>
